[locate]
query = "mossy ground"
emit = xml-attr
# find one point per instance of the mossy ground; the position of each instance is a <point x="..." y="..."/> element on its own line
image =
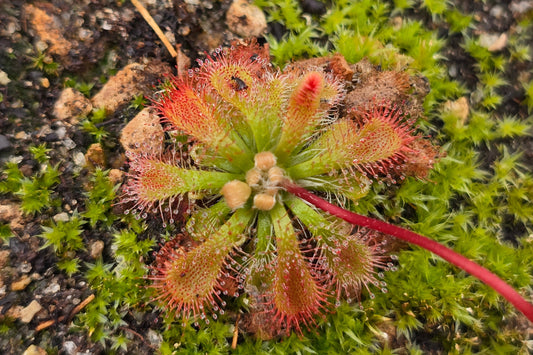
<point x="477" y="200"/>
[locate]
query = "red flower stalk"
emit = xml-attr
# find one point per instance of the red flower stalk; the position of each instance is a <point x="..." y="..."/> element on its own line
<point x="444" y="252"/>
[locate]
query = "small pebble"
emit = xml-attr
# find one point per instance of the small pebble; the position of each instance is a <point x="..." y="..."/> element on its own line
<point x="96" y="249"/>
<point x="52" y="289"/>
<point x="45" y="83"/>
<point x="493" y="42"/>
<point x="27" y="313"/>
<point x="4" y="79"/>
<point x="61" y="132"/>
<point x="22" y="135"/>
<point x="70" y="347"/>
<point x="61" y="217"/>
<point x="34" y="350"/>
<point x="245" y="19"/>
<point x="79" y="159"/>
<point x="21" y="284"/>
<point x="69" y="143"/>
<point x="24" y="267"/>
<point x="154" y="338"/>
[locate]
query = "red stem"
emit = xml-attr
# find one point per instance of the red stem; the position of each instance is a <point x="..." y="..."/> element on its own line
<point x="446" y="253"/>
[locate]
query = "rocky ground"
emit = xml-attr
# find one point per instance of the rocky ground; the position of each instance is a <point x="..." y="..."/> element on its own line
<point x="43" y="45"/>
<point x="62" y="58"/>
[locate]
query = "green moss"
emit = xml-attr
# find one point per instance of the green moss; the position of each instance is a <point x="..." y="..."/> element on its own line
<point x="466" y="201"/>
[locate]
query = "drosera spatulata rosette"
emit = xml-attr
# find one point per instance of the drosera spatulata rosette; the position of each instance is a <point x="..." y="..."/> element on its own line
<point x="255" y="136"/>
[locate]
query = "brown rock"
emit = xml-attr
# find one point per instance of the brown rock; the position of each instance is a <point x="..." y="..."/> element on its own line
<point x="245" y="20"/>
<point x="95" y="157"/>
<point x="10" y="212"/>
<point x="71" y="105"/>
<point x="21" y="283"/>
<point x="34" y="350"/>
<point x="13" y="311"/>
<point x="48" y="28"/>
<point x="27" y="313"/>
<point x="134" y="79"/>
<point x="143" y="134"/>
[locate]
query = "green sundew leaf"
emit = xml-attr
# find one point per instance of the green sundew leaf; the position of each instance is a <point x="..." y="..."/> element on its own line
<point x="156" y="180"/>
<point x="344" y="144"/>
<point x="193" y="276"/>
<point x="352" y="186"/>
<point x="265" y="116"/>
<point x="193" y="112"/>
<point x="205" y="221"/>
<point x="260" y="275"/>
<point x="315" y="221"/>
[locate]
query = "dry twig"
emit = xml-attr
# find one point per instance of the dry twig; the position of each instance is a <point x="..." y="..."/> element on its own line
<point x="71" y="315"/>
<point x="150" y="20"/>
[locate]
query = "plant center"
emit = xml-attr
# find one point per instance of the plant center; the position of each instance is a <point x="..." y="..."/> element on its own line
<point x="262" y="181"/>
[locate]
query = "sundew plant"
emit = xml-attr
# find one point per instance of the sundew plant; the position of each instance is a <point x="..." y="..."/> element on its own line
<point x="251" y="142"/>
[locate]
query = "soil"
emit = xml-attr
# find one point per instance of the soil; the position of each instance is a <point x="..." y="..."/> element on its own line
<point x="90" y="40"/>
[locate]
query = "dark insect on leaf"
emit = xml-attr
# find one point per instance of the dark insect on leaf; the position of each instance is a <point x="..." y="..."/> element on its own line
<point x="239" y="84"/>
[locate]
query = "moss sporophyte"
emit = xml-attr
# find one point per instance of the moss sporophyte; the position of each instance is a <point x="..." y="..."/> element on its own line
<point x="258" y="140"/>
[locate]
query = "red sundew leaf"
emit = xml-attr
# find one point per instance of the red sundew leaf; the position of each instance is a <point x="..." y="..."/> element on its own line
<point x="301" y="116"/>
<point x="153" y="181"/>
<point x="186" y="282"/>
<point x="297" y="296"/>
<point x="353" y="265"/>
<point x="186" y="109"/>
<point x="380" y="141"/>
